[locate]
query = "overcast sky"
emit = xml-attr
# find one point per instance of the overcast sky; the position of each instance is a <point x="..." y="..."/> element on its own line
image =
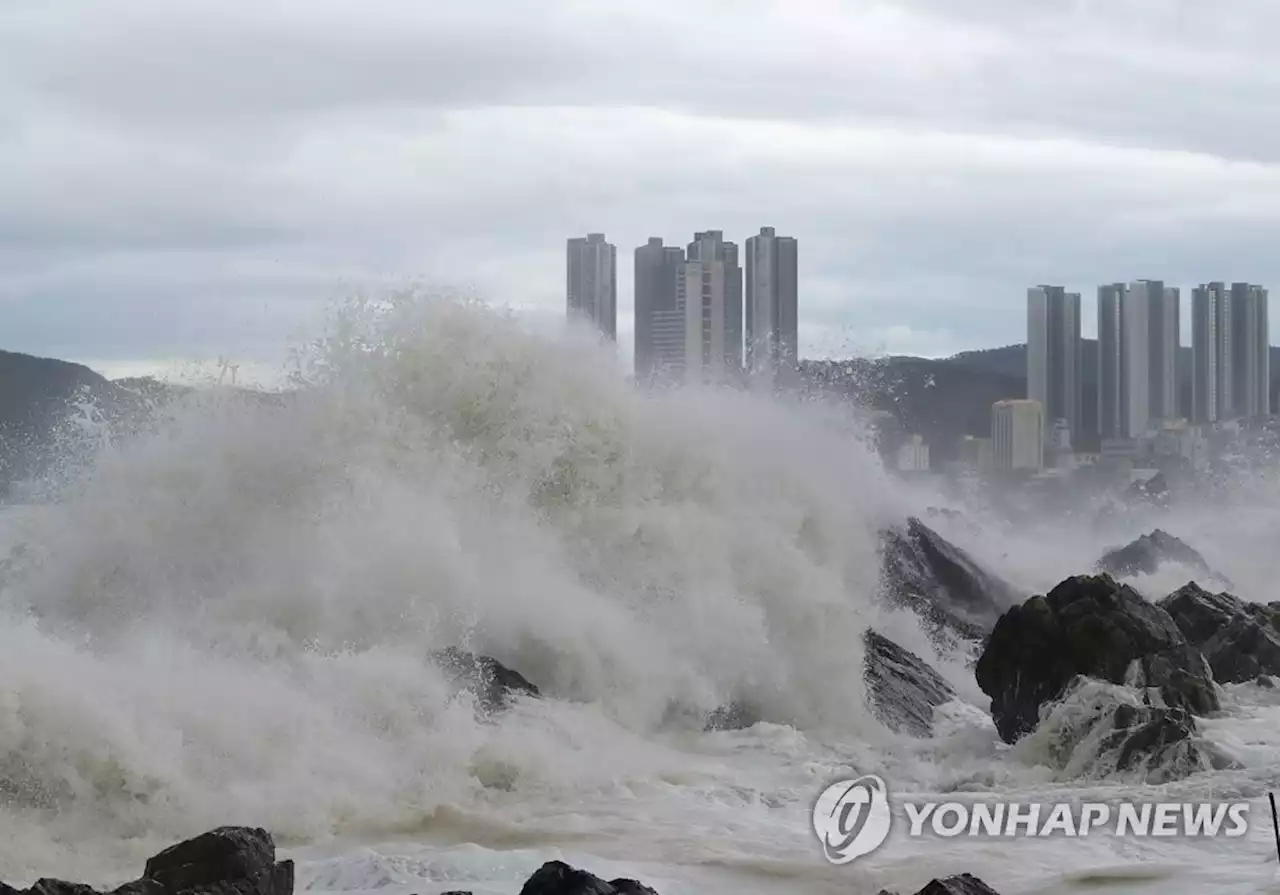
<point x="183" y="180"/>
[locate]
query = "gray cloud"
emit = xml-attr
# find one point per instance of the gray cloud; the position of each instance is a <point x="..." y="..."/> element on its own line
<point x="187" y="180"/>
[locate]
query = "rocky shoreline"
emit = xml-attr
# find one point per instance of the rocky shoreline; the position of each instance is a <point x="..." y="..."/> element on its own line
<point x="242" y="861"/>
<point x="1163" y="662"/>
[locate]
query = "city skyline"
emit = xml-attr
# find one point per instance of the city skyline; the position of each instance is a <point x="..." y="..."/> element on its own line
<point x="699" y="316"/>
<point x="1140" y="358"/>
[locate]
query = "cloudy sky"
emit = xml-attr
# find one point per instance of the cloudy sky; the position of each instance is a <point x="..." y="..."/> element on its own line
<point x="184" y="180"/>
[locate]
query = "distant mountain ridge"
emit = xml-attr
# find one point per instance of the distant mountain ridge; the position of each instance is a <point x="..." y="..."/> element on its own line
<point x="940" y="399"/>
<point x="38" y="402"/>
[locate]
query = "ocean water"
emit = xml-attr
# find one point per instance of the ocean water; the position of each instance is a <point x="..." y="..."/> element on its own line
<point x="228" y="620"/>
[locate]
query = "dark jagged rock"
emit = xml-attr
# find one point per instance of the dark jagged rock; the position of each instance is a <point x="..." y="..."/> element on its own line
<point x="558" y="878"/>
<point x="1091" y="626"/>
<point x="1146" y="734"/>
<point x="1145" y="556"/>
<point x="943" y="584"/>
<point x="901" y="687"/>
<point x="630" y="887"/>
<point x="964" y="884"/>
<point x="1154" y="489"/>
<point x="1100" y="729"/>
<point x="1240" y="641"/>
<point x="734" y="716"/>
<point x="225" y="861"/>
<point x="58" y="887"/>
<point x="223" y="854"/>
<point x="491" y="682"/>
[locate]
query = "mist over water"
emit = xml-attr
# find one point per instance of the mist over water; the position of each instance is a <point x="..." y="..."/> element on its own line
<point x="228" y="619"/>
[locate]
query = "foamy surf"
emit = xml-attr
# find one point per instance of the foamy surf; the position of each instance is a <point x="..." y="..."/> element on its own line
<point x="229" y="619"/>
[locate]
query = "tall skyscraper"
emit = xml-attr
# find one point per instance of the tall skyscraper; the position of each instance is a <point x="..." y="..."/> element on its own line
<point x="772" y="317"/>
<point x="1017" y="434"/>
<point x="710" y="287"/>
<point x="1055" y="354"/>
<point x="1211" y="354"/>
<point x="1124" y="369"/>
<point x="660" y="317"/>
<point x="1162" y="307"/>
<point x="1251" y="351"/>
<point x="592" y="282"/>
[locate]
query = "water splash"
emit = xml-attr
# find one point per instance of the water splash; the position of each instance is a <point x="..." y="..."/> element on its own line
<point x="226" y="616"/>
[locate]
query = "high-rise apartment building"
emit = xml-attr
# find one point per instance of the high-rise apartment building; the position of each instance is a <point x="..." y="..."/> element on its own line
<point x="1124" y="368"/>
<point x="660" y="317"/>
<point x="772" y="338"/>
<point x="592" y="282"/>
<point x="710" y="290"/>
<point x="1055" y="354"/>
<point x="1211" y="354"/>
<point x="1017" y="434"/>
<point x="1161" y="305"/>
<point x="1251" y="352"/>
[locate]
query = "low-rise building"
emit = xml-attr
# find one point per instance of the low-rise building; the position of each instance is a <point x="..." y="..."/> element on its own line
<point x="1017" y="434"/>
<point x="913" y="455"/>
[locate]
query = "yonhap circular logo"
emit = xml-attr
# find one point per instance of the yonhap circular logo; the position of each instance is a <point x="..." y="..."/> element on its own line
<point x="851" y="818"/>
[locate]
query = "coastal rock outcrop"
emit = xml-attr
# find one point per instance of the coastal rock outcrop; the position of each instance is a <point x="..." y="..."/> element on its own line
<point x="902" y="689"/>
<point x="1239" y="640"/>
<point x="1097" y="730"/>
<point x="225" y="861"/>
<point x="1148" y="553"/>
<point x="1095" y="627"/>
<point x="732" y="716"/>
<point x="940" y="582"/>
<point x="558" y="878"/>
<point x="488" y="680"/>
<point x="964" y="884"/>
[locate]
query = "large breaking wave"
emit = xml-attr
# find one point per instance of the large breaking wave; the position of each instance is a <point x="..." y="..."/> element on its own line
<point x="229" y="618"/>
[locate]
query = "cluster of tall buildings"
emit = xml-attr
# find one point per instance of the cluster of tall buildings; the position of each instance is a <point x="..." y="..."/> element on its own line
<point x="694" y="321"/>
<point x="1140" y="366"/>
<point x="1139" y="369"/>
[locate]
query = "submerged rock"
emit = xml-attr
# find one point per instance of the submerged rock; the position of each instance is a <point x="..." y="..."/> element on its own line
<point x="1091" y="626"/>
<point x="225" y="861"/>
<point x="940" y="582"/>
<point x="733" y="716"/>
<point x="1099" y="729"/>
<point x="1149" y="552"/>
<point x="902" y="689"/>
<point x="492" y="683"/>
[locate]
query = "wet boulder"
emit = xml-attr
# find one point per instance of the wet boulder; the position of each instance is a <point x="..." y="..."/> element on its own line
<point x="1095" y="627"/>
<point x="736" y="715"/>
<point x="488" y="680"/>
<point x="558" y="878"/>
<point x="951" y="592"/>
<point x="1099" y="730"/>
<point x="1148" y="553"/>
<point x="1239" y="640"/>
<point x="225" y="861"/>
<point x="964" y="884"/>
<point x="902" y="689"/>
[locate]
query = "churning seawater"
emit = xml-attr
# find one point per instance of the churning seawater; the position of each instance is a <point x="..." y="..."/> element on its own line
<point x="228" y="619"/>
